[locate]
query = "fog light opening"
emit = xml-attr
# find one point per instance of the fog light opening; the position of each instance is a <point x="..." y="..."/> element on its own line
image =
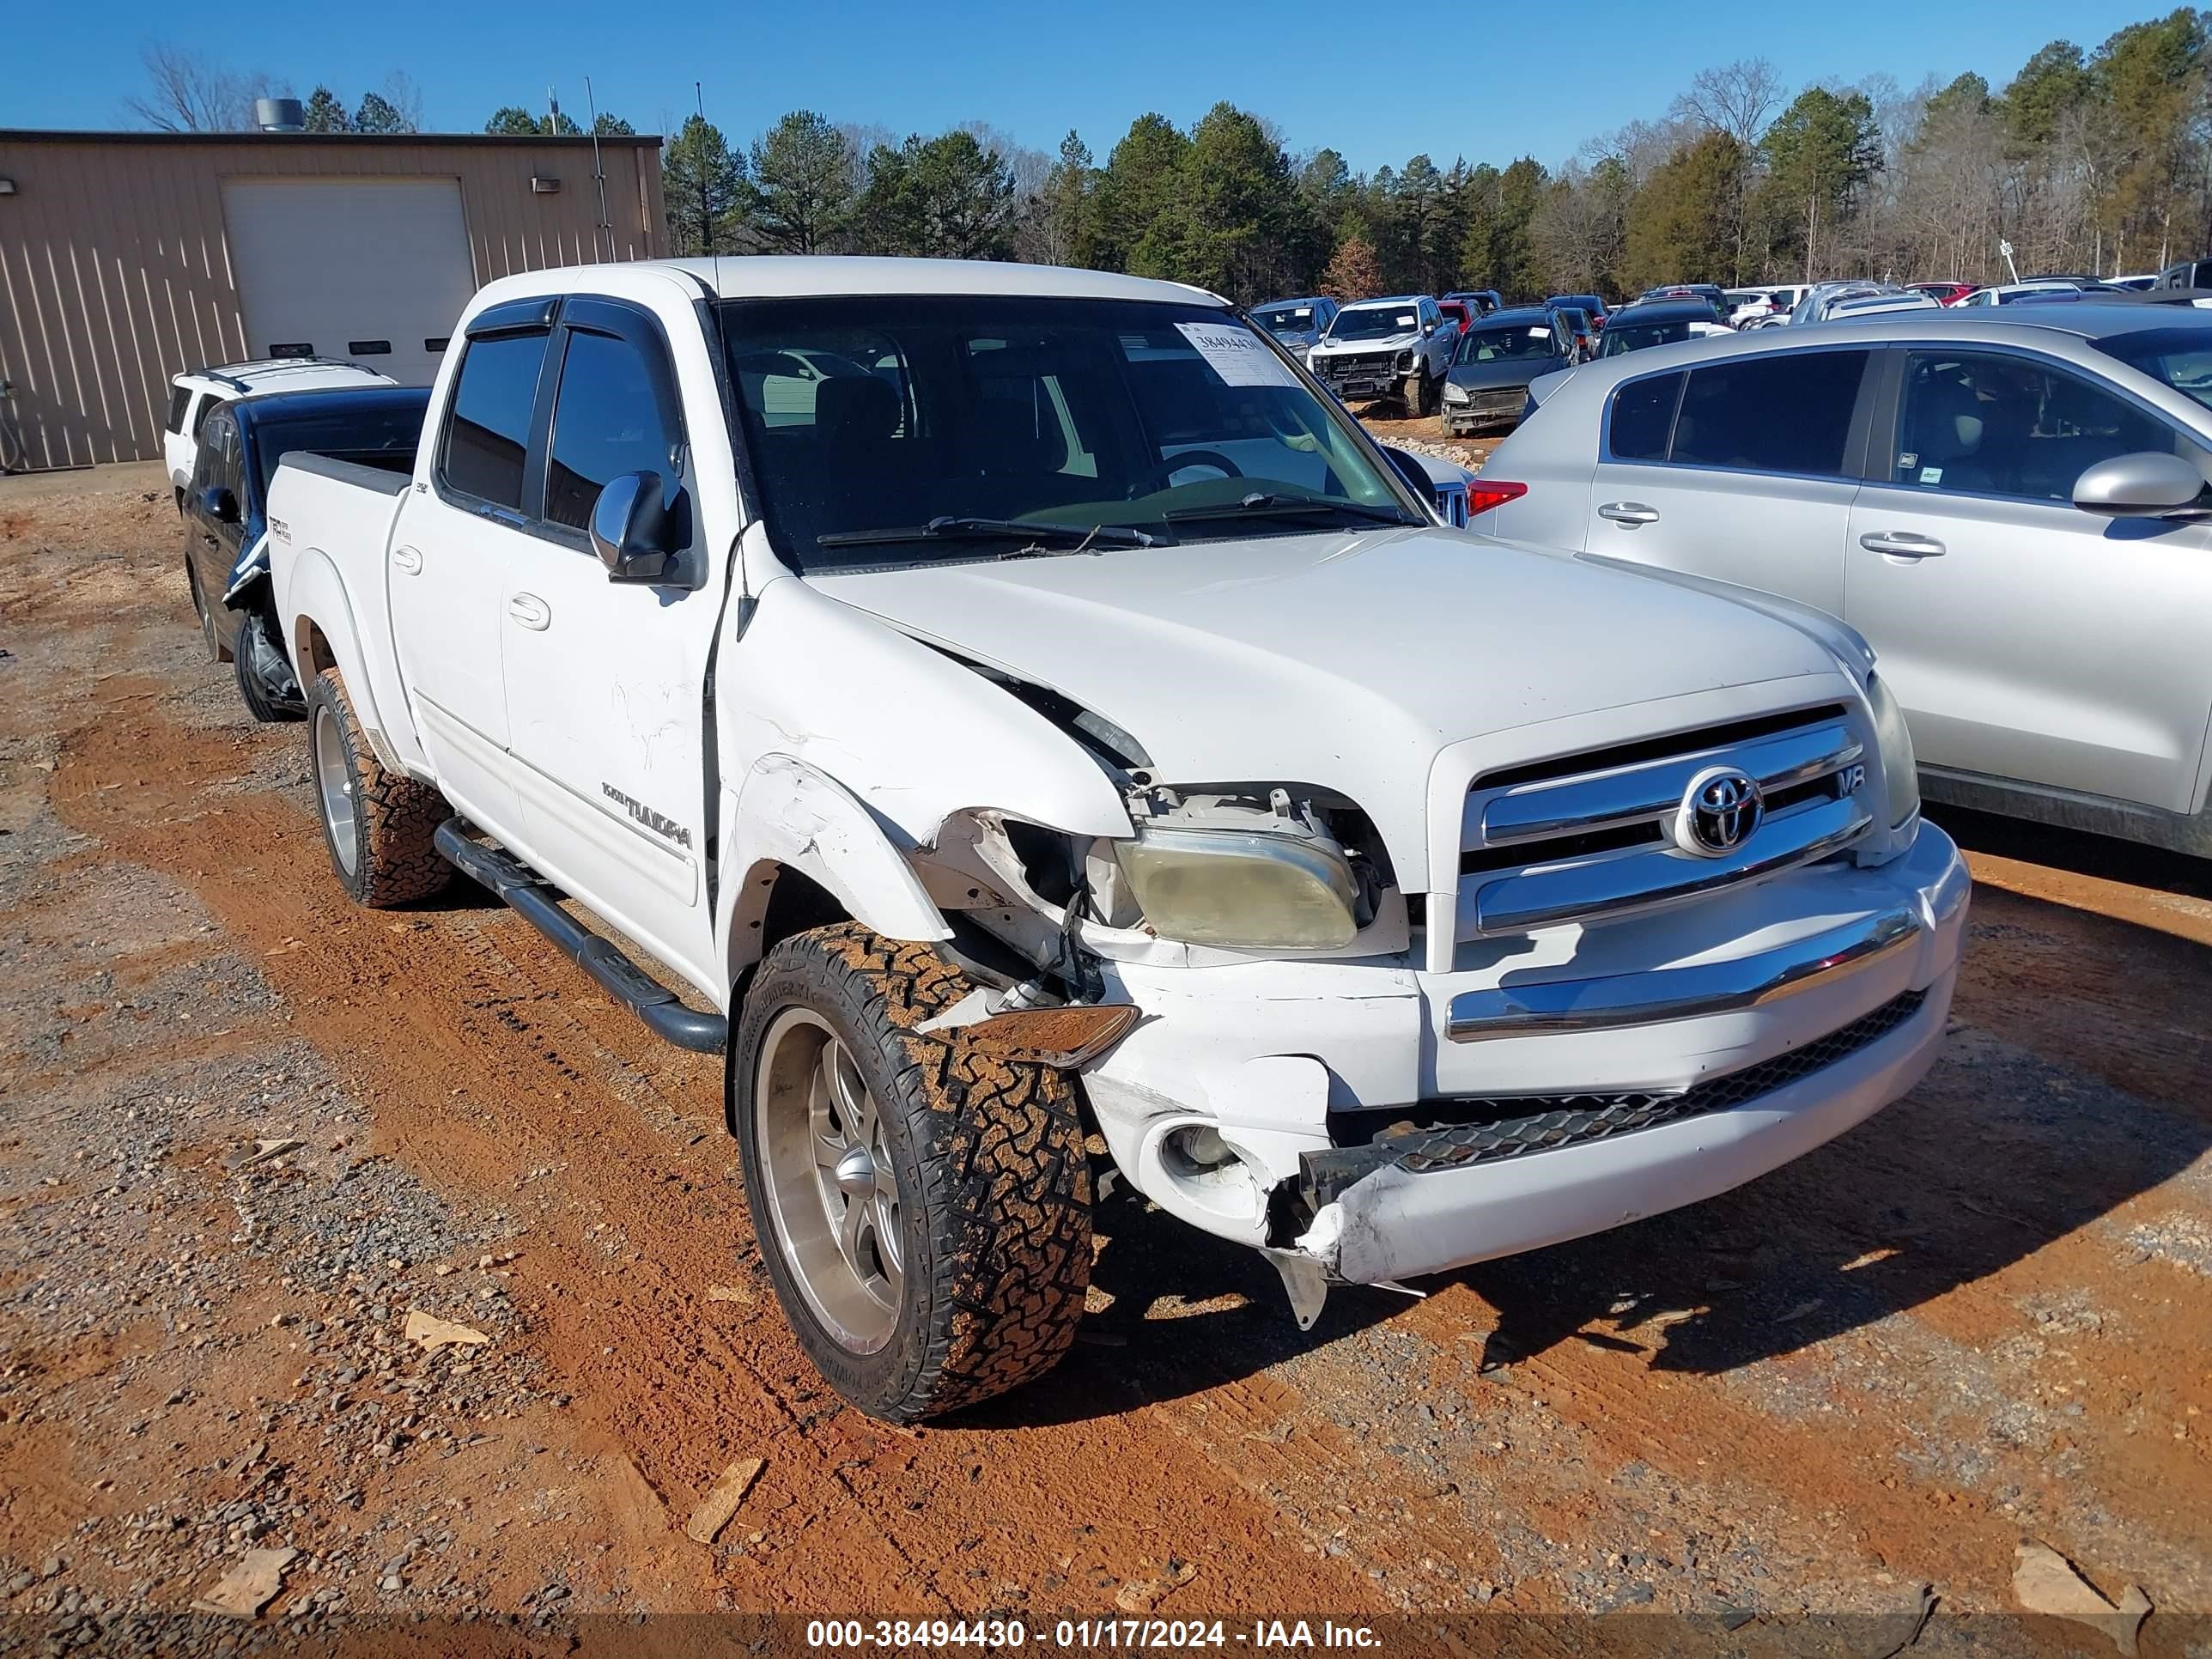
<point x="1210" y="1172"/>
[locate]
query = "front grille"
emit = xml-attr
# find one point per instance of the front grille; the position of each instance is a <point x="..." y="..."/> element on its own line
<point x="1358" y="365"/>
<point x="1466" y="1133"/>
<point x="1589" y="837"/>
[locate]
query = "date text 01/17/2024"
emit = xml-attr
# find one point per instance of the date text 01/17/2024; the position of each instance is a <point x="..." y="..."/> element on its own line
<point x="1089" y="1634"/>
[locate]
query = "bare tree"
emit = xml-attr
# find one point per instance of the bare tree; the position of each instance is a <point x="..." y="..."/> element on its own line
<point x="187" y="93"/>
<point x="1738" y="99"/>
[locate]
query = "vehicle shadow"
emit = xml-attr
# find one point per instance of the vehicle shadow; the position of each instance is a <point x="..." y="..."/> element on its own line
<point x="1189" y="1312"/>
<point x="2079" y="850"/>
<point x="2039" y="1120"/>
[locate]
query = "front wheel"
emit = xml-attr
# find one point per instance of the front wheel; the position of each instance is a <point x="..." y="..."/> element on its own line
<point x="265" y="681"/>
<point x="924" y="1210"/>
<point x="378" y="824"/>
<point x="1416" y="393"/>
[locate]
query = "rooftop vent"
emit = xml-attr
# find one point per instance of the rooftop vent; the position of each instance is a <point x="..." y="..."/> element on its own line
<point x="279" y="115"/>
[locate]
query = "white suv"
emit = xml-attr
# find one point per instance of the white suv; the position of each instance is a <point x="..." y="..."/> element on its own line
<point x="194" y="394"/>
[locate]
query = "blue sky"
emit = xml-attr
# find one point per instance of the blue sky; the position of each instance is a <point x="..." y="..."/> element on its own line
<point x="1327" y="73"/>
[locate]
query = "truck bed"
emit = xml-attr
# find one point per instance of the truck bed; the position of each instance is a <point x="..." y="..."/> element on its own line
<point x="331" y="522"/>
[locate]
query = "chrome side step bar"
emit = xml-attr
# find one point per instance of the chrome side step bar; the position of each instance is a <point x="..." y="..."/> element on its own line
<point x="527" y="893"/>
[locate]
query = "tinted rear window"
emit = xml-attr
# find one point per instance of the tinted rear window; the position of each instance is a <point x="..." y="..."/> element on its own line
<point x="180" y="399"/>
<point x="1643" y="418"/>
<point x="1788" y="412"/>
<point x="488" y="432"/>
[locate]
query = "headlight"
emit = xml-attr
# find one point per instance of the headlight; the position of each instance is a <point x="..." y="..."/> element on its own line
<point x="1253" y="892"/>
<point x="1405" y="362"/>
<point x="1455" y="392"/>
<point x="1900" y="769"/>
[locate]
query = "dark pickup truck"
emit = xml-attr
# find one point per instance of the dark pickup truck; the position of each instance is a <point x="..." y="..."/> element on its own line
<point x="226" y="524"/>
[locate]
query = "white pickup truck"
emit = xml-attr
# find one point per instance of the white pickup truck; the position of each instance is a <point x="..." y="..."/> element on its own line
<point x="1031" y="726"/>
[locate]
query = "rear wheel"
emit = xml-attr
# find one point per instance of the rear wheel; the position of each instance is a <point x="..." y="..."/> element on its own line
<point x="924" y="1210"/>
<point x="378" y="824"/>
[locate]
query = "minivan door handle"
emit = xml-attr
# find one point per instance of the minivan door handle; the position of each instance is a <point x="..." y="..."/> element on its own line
<point x="406" y="561"/>
<point x="529" y="611"/>
<point x="1901" y="545"/>
<point x="1629" y="514"/>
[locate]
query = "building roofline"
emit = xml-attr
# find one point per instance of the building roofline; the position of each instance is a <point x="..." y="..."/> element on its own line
<point x="57" y="135"/>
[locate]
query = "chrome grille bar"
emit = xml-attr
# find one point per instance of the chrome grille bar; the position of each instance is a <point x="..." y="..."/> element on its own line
<point x="1607" y="800"/>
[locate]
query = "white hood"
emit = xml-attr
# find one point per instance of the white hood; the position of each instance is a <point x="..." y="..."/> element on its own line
<point x="1400" y="341"/>
<point x="1343" y="661"/>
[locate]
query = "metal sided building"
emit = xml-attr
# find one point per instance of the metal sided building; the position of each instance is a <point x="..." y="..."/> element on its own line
<point x="126" y="257"/>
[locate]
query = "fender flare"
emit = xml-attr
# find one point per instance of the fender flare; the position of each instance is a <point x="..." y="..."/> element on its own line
<point x="790" y="815"/>
<point x="316" y="599"/>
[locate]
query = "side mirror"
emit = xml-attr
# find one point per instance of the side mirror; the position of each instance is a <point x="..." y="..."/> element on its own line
<point x="634" y="528"/>
<point x="2144" y="485"/>
<point x="219" y="504"/>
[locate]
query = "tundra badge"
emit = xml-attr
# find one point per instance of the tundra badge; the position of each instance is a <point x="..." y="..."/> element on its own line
<point x="667" y="828"/>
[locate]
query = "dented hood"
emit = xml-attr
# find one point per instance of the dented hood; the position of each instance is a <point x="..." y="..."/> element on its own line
<point x="1345" y="661"/>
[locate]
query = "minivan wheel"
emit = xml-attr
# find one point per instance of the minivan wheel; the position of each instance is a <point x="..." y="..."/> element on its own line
<point x="377" y="825"/>
<point x="923" y="1209"/>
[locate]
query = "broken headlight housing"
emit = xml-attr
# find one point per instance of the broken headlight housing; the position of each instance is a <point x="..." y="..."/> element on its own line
<point x="1243" y="873"/>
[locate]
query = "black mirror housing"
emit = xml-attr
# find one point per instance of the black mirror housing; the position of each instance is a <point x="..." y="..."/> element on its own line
<point x="219" y="504"/>
<point x="636" y="529"/>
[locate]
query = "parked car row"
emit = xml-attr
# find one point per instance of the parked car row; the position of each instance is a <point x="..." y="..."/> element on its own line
<point x="1439" y="955"/>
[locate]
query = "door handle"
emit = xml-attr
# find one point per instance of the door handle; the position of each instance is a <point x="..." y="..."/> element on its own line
<point x="406" y="561"/>
<point x="1629" y="514"/>
<point x="212" y="541"/>
<point x="1901" y="545"/>
<point x="529" y="611"/>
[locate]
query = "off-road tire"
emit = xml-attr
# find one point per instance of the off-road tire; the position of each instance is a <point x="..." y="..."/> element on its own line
<point x="994" y="1182"/>
<point x="1416" y="393"/>
<point x="394" y="817"/>
<point x="264" y="705"/>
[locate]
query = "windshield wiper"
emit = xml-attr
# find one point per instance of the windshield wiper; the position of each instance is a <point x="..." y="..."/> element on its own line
<point x="1259" y="503"/>
<point x="964" y="529"/>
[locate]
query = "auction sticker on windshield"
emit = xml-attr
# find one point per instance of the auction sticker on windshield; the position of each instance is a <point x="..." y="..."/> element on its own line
<point x="1236" y="356"/>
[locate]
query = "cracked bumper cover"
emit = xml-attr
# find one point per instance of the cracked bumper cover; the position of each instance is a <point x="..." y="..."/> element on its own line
<point x="1611" y="1093"/>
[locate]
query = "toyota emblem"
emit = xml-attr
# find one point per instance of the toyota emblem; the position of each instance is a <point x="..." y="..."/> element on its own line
<point x="1720" y="810"/>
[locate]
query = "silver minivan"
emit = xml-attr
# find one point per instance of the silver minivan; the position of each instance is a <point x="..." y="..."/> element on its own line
<point x="2014" y="509"/>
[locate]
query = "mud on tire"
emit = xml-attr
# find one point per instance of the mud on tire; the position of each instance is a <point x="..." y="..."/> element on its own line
<point x="385" y="856"/>
<point x="994" y="1201"/>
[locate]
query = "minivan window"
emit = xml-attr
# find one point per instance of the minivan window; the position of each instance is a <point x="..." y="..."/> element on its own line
<point x="1643" y="418"/>
<point x="1138" y="421"/>
<point x="1786" y="411"/>
<point x="488" y="430"/>
<point x="609" y="418"/>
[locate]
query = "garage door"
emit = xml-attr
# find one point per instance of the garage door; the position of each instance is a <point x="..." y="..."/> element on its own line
<point x="376" y="269"/>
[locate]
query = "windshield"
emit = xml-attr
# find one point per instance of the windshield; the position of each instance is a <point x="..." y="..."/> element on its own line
<point x="1287" y="319"/>
<point x="925" y="427"/>
<point x="1512" y="342"/>
<point x="1620" y="337"/>
<point x="2179" y="357"/>
<point x="1375" y="322"/>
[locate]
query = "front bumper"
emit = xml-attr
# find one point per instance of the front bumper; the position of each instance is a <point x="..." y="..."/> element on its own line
<point x="1282" y="1059"/>
<point x="1485" y="409"/>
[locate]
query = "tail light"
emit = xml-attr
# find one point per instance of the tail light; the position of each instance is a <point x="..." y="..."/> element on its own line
<point x="1483" y="493"/>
